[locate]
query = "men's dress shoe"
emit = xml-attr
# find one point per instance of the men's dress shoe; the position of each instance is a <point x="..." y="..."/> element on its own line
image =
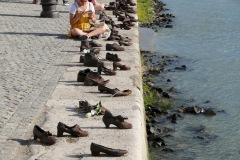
<point x="114" y="47"/>
<point x="118" y="121"/>
<point x="74" y="130"/>
<point x="106" y="71"/>
<point x="82" y="74"/>
<point x="120" y="66"/>
<point x="115" y="92"/>
<point x="44" y="136"/>
<point x="112" y="57"/>
<point x="96" y="149"/>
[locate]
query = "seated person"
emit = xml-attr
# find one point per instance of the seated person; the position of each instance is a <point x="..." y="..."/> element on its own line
<point x="80" y="13"/>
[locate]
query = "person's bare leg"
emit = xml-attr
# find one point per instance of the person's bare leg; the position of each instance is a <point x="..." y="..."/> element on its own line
<point x="77" y="32"/>
<point x="98" y="6"/>
<point x="98" y="31"/>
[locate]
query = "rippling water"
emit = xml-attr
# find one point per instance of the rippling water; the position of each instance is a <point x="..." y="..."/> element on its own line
<point x="206" y="35"/>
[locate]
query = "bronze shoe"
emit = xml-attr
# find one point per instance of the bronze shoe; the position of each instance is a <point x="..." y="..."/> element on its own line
<point x="115" y="92"/>
<point x="120" y="66"/>
<point x="114" y="47"/>
<point x="90" y="60"/>
<point x="96" y="149"/>
<point x="125" y="43"/>
<point x="82" y="74"/>
<point x="106" y="71"/>
<point x="94" y="79"/>
<point x="86" y="107"/>
<point x="118" y="121"/>
<point x="112" y="57"/>
<point x="44" y="136"/>
<point x="75" y="130"/>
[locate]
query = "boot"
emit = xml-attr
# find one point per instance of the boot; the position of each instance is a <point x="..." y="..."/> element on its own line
<point x="118" y="121"/>
<point x="82" y="74"/>
<point x="90" y="60"/>
<point x="96" y="149"/>
<point x="94" y="79"/>
<point x="84" y="45"/>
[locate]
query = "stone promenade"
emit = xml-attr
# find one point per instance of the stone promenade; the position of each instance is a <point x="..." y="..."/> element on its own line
<point x="38" y="73"/>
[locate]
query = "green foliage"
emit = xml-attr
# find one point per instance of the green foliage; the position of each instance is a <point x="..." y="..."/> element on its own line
<point x="145" y="10"/>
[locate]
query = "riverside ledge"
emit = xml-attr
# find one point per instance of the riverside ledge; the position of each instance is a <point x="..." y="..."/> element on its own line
<point x="55" y="94"/>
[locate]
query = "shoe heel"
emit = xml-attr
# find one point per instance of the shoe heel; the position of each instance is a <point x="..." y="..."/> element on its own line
<point x="35" y="137"/>
<point x="59" y="133"/>
<point x="106" y="124"/>
<point x="95" y="153"/>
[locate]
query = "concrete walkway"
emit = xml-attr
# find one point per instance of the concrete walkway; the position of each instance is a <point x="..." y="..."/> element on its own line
<point x="38" y="73"/>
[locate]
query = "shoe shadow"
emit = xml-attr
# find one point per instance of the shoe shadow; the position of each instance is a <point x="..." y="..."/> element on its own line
<point x="27" y="142"/>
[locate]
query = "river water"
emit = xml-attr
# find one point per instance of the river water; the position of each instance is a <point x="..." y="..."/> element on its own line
<point x="206" y="36"/>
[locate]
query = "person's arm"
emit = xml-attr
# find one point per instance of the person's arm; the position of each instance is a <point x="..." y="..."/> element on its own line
<point x="92" y="16"/>
<point x="74" y="17"/>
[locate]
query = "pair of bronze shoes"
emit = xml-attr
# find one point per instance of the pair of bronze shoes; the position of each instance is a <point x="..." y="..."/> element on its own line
<point x="115" y="92"/>
<point x="96" y="149"/>
<point x="117" y="65"/>
<point x="47" y="138"/>
<point x="118" y="121"/>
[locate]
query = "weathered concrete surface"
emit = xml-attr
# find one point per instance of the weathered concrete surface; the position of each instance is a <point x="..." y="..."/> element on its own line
<point x="38" y="73"/>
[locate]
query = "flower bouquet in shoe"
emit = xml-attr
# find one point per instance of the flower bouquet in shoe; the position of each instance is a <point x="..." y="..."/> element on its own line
<point x="97" y="109"/>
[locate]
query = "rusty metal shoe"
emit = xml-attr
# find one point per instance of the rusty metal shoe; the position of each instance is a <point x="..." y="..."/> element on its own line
<point x="124" y="43"/>
<point x="84" y="106"/>
<point x="115" y="92"/>
<point x="106" y="71"/>
<point x="75" y="130"/>
<point x="114" y="47"/>
<point x="94" y="79"/>
<point x="94" y="44"/>
<point x="112" y="57"/>
<point x="118" y="121"/>
<point x="84" y="45"/>
<point x="120" y="66"/>
<point x="44" y="136"/>
<point x="82" y="74"/>
<point x="96" y="149"/>
<point x="90" y="60"/>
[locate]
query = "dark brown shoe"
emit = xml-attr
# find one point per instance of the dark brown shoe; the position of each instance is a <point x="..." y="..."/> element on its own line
<point x="84" y="45"/>
<point x="118" y="121"/>
<point x="120" y="66"/>
<point x="44" y="136"/>
<point x="124" y="43"/>
<point x="84" y="106"/>
<point x="96" y="149"/>
<point x="106" y="71"/>
<point x="115" y="92"/>
<point x="74" y="130"/>
<point x="114" y="47"/>
<point x="81" y="59"/>
<point x="94" y="79"/>
<point x="90" y="60"/>
<point x="112" y="57"/>
<point x="82" y="74"/>
<point x="94" y="44"/>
